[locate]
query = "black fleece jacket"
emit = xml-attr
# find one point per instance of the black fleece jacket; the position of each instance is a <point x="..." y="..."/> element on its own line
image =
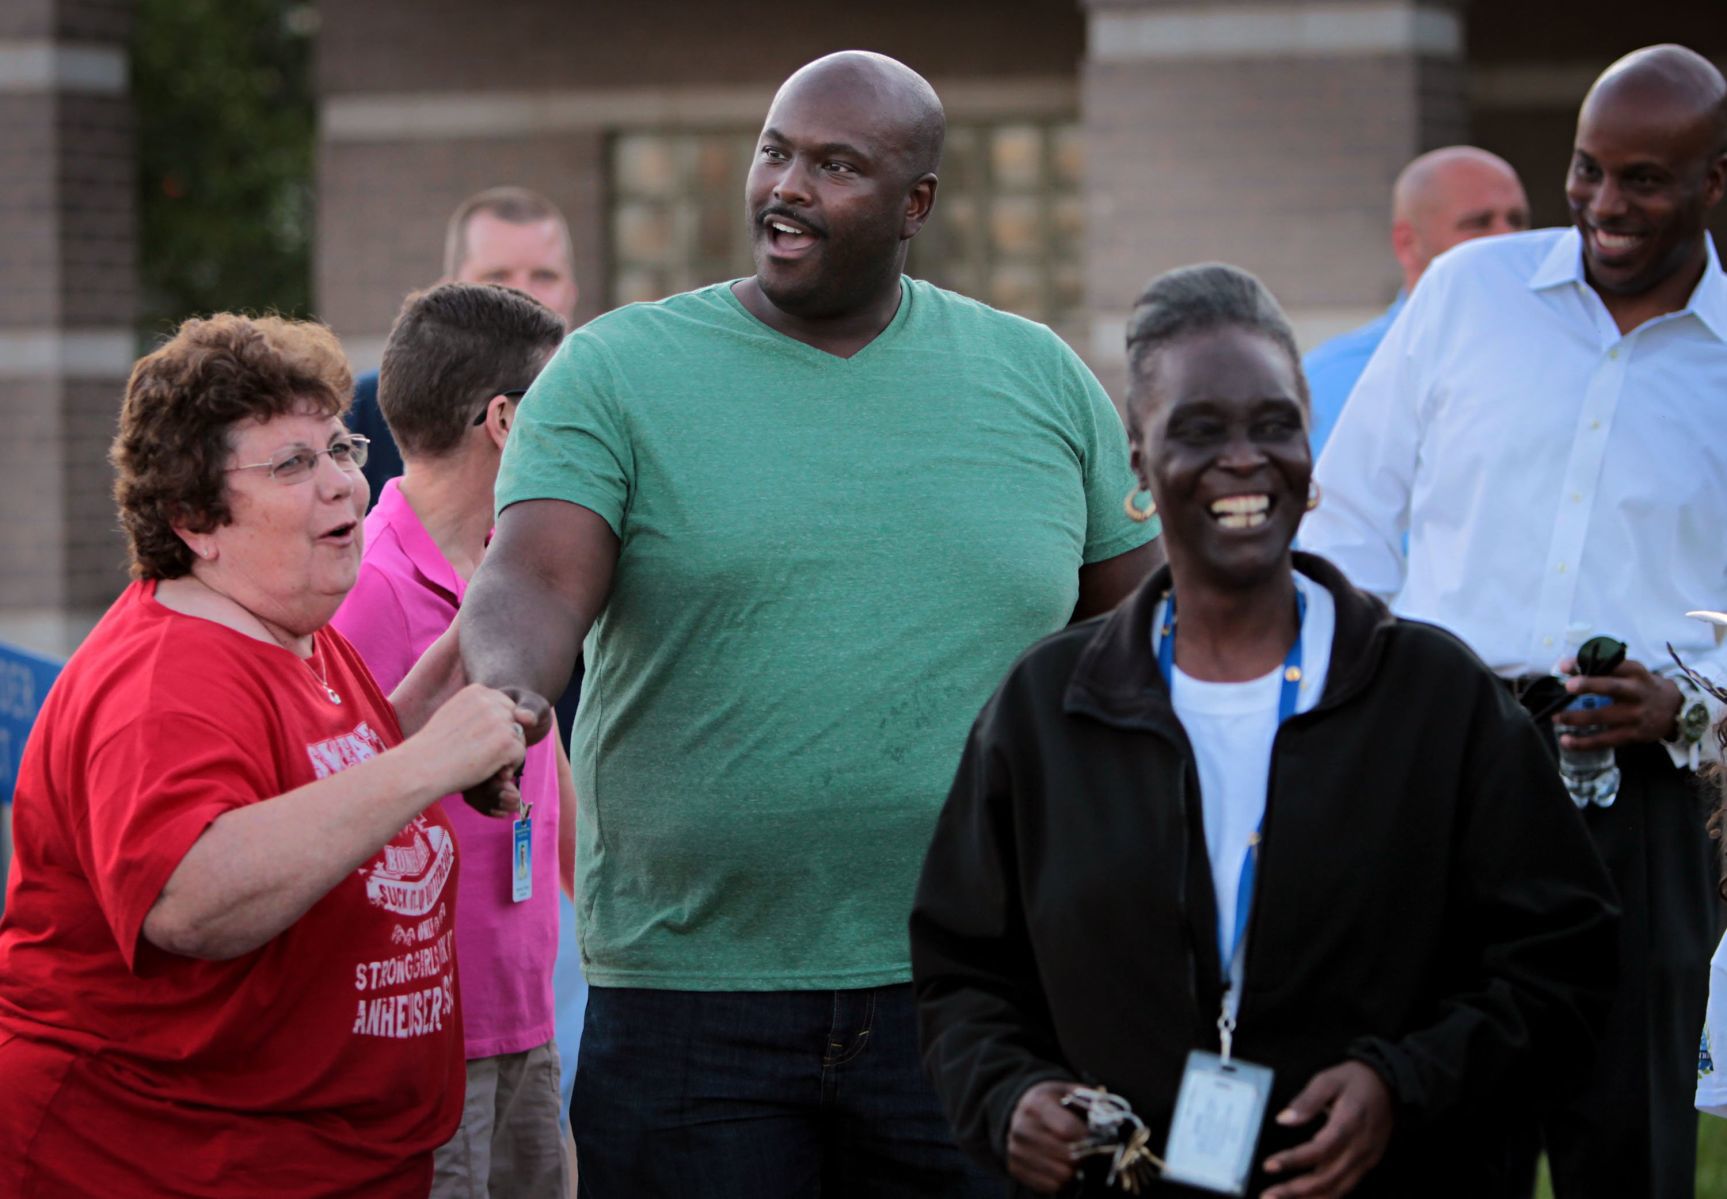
<point x="1428" y="901"/>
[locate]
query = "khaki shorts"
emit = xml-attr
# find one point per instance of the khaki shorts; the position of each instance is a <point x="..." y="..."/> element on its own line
<point x="512" y="1140"/>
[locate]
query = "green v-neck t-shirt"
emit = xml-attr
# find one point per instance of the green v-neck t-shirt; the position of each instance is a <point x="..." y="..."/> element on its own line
<point x="825" y="567"/>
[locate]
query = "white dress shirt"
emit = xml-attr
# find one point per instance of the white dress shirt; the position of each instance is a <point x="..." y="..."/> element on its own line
<point x="1712" y="1081"/>
<point x="1554" y="476"/>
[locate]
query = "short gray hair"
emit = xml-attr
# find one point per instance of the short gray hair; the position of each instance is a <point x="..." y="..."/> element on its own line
<point x="1198" y="299"/>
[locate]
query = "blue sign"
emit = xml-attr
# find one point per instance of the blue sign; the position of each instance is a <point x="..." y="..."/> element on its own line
<point x="24" y="681"/>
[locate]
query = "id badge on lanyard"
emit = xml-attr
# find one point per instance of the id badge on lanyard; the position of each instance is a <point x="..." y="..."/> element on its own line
<point x="522" y="856"/>
<point x="1218" y="1111"/>
<point x="1221" y="1103"/>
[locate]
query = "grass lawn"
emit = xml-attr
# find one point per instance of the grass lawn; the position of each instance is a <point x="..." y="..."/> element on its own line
<point x="1711" y="1162"/>
<point x="1712" y="1158"/>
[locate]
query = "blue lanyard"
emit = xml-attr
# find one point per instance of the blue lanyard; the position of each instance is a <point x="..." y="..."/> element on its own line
<point x="1287" y="697"/>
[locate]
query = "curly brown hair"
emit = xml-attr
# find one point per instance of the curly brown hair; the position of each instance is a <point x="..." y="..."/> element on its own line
<point x="183" y="402"/>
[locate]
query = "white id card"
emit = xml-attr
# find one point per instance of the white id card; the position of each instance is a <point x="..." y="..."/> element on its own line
<point x="1216" y="1126"/>
<point x="522" y="859"/>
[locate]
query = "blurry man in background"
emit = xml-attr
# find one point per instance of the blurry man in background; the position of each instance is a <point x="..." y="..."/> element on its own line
<point x="505" y="235"/>
<point x="1441" y="199"/>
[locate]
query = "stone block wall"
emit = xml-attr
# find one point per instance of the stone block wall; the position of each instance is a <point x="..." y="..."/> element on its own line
<point x="67" y="255"/>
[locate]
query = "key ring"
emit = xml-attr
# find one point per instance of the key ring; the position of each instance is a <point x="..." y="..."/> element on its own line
<point x="1114" y="1131"/>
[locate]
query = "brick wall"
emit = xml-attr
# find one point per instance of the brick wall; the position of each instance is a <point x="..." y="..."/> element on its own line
<point x="66" y="252"/>
<point x="1187" y="164"/>
<point x="29" y="249"/>
<point x="1532" y="62"/>
<point x="382" y="209"/>
<point x="1280" y="162"/>
<point x="419" y="45"/>
<point x="94" y="566"/>
<point x="97" y="210"/>
<point x="383" y="199"/>
<point x="1275" y="154"/>
<point x="1589" y="31"/>
<point x="31" y="469"/>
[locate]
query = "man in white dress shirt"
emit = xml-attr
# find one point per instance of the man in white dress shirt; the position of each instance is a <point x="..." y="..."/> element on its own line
<point x="1543" y="419"/>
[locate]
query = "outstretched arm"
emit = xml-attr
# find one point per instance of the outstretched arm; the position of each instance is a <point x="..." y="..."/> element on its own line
<point x="259" y="867"/>
<point x="545" y="578"/>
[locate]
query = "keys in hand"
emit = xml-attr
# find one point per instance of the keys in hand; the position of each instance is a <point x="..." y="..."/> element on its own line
<point x="1113" y="1131"/>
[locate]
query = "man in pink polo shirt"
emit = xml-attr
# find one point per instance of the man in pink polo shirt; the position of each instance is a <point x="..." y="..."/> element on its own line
<point x="456" y="364"/>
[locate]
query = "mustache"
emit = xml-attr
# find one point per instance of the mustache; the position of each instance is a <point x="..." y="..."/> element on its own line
<point x="763" y="216"/>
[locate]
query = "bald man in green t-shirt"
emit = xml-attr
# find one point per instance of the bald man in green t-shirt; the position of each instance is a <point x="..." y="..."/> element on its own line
<point x="804" y="522"/>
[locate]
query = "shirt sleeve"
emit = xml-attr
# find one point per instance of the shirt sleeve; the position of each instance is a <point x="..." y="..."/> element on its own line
<point x="571" y="439"/>
<point x="153" y="788"/>
<point x="1109" y="531"/>
<point x="1367" y="470"/>
<point x="1711" y="1080"/>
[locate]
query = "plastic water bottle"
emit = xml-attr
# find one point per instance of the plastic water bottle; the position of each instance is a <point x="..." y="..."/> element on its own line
<point x="1590" y="775"/>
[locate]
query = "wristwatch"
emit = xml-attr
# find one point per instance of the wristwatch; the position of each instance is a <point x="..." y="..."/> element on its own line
<point x="1692" y="721"/>
<point x="1691" y="725"/>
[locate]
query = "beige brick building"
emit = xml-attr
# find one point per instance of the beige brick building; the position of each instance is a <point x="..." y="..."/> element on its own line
<point x="1093" y="143"/>
<point x="67" y="293"/>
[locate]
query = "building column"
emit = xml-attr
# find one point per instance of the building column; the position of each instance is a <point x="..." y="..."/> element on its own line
<point x="66" y="311"/>
<point x="1265" y="134"/>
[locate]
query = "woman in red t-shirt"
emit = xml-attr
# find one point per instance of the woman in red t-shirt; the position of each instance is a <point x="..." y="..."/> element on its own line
<point x="227" y="958"/>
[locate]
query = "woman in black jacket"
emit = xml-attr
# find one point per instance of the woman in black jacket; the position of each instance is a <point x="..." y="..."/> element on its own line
<point x="1250" y="813"/>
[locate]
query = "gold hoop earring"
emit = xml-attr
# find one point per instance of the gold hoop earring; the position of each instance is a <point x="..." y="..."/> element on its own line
<point x="1136" y="513"/>
<point x="1314" y="495"/>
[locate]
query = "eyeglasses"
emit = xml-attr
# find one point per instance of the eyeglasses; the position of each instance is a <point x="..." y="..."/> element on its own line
<point x="294" y="466"/>
<point x="515" y="393"/>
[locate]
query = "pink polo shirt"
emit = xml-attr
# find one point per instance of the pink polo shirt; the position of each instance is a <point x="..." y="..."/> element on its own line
<point x="405" y="597"/>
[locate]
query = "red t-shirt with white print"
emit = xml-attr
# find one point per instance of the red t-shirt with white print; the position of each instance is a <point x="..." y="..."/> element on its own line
<point x="327" y="1062"/>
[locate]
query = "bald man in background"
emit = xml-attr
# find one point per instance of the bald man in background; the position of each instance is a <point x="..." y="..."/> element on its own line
<point x="1542" y="420"/>
<point x="1441" y="199"/>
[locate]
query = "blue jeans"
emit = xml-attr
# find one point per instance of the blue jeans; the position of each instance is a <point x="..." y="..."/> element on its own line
<point x="761" y="1094"/>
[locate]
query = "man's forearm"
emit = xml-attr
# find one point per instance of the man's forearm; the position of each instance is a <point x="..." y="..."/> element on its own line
<point x="543" y="582"/>
<point x="519" y="630"/>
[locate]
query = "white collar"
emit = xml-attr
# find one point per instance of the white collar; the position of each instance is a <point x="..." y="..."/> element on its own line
<point x="1708" y="302"/>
